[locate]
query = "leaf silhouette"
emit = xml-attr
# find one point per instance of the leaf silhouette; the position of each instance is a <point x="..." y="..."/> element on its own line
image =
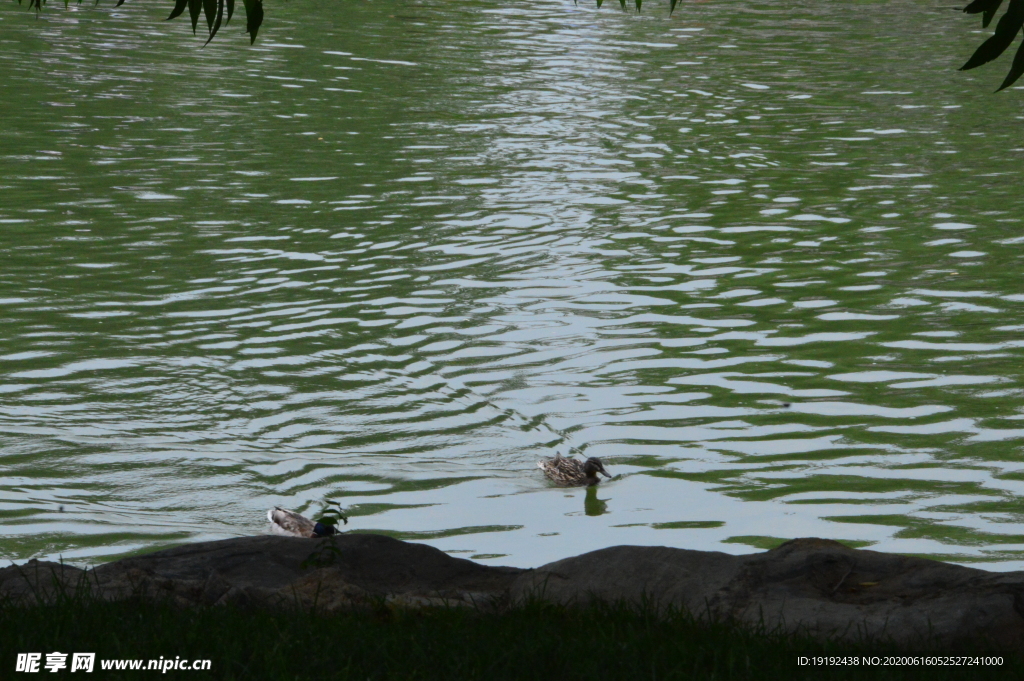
<point x="254" y="17"/>
<point x="179" y="7"/>
<point x="210" y="12"/>
<point x="194" y="7"/>
<point x="1006" y="30"/>
<point x="986" y="18"/>
<point x="1016" y="69"/>
<point x="989" y="8"/>
<point x="216" y="21"/>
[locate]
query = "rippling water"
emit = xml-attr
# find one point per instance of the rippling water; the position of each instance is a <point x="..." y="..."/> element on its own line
<point x="762" y="258"/>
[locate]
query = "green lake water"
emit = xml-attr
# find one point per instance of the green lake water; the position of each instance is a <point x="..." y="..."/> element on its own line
<point x="763" y="258"/>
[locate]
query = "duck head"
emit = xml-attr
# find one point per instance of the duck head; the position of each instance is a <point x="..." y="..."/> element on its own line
<point x="593" y="466"/>
<point x="321" y="530"/>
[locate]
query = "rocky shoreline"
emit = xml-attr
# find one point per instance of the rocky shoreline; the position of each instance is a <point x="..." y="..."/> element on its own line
<point x="815" y="586"/>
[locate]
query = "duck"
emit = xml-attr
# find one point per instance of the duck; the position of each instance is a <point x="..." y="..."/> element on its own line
<point x="573" y="472"/>
<point x="292" y="524"/>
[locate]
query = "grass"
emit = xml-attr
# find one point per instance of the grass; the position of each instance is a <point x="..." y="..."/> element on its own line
<point x="533" y="641"/>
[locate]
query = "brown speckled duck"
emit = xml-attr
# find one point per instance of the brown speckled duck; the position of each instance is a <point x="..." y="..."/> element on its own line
<point x="573" y="472"/>
<point x="291" y="524"/>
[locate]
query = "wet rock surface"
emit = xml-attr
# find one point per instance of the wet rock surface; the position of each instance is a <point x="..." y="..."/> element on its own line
<point x="813" y="585"/>
<point x="816" y="586"/>
<point x="345" y="571"/>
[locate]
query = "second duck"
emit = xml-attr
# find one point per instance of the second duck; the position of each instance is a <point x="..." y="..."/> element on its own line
<point x="573" y="472"/>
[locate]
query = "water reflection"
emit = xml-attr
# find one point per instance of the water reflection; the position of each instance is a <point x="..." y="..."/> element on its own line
<point x="592" y="505"/>
<point x="395" y="263"/>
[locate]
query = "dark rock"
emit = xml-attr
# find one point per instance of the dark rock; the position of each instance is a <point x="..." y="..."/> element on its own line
<point x="346" y="570"/>
<point x="39" y="581"/>
<point x="657" y="574"/>
<point x="372" y="562"/>
<point x="816" y="586"/>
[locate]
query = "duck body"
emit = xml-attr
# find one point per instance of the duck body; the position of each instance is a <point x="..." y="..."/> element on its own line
<point x="291" y="524"/>
<point x="573" y="472"/>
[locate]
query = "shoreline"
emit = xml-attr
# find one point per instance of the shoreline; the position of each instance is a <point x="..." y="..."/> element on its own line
<point x="816" y="587"/>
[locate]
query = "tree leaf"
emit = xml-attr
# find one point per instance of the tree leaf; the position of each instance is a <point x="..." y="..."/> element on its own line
<point x="254" y="17"/>
<point x="194" y="7"/>
<point x="1006" y="30"/>
<point x="216" y="21"/>
<point x="231" y="10"/>
<point x="1015" y="70"/>
<point x="638" y="3"/>
<point x="672" y="6"/>
<point x="979" y="6"/>
<point x="179" y="7"/>
<point x="989" y="7"/>
<point x="210" y="12"/>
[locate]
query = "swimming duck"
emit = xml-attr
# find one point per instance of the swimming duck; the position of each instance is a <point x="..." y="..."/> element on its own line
<point x="291" y="524"/>
<point x="573" y="472"/>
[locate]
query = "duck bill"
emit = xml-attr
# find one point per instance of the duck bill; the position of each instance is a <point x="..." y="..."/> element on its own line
<point x="605" y="473"/>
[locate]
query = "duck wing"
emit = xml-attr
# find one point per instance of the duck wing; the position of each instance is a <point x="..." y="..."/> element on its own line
<point x="290" y="523"/>
<point x="563" y="471"/>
